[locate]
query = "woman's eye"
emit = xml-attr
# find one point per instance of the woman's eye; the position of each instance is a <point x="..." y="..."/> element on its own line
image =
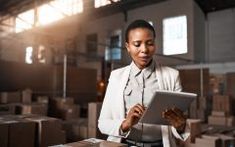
<point x="137" y="44"/>
<point x="150" y="43"/>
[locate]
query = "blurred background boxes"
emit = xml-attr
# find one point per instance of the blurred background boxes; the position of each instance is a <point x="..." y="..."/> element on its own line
<point x="33" y="108"/>
<point x="30" y="131"/>
<point x="70" y="112"/>
<point x="3" y="134"/>
<point x="20" y="132"/>
<point x="6" y="109"/>
<point x="10" y="97"/>
<point x="27" y="96"/>
<point x="49" y="131"/>
<point x="42" y="99"/>
<point x="93" y="116"/>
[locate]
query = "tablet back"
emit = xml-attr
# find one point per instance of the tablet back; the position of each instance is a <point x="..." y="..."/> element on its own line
<point x="162" y="100"/>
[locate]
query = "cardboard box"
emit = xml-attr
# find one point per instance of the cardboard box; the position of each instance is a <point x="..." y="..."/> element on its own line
<point x="93" y="114"/>
<point x="27" y="96"/>
<point x="35" y="108"/>
<point x="67" y="126"/>
<point x="202" y="103"/>
<point x="57" y="105"/>
<point x="70" y="112"/>
<point x="7" y="109"/>
<point x="3" y="134"/>
<point x="94" y="132"/>
<point x="21" y="133"/>
<point x="201" y="114"/>
<point x="231" y="121"/>
<point x="230" y="87"/>
<point x="74" y="144"/>
<point x="208" y="141"/>
<point x="49" y="131"/>
<point x="59" y="102"/>
<point x="43" y="99"/>
<point x="75" y="129"/>
<point x="217" y="120"/>
<point x="222" y="103"/>
<point x="92" y="142"/>
<point x="83" y="132"/>
<point x="195" y="129"/>
<point x="193" y="109"/>
<point x="10" y="97"/>
<point x="219" y="113"/>
<point x="101" y="143"/>
<point x="227" y="141"/>
<point x="111" y="144"/>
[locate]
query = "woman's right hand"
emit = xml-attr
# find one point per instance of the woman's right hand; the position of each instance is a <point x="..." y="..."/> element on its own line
<point x="133" y="117"/>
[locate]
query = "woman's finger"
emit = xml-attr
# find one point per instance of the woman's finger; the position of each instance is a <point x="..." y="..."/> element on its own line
<point x="140" y="108"/>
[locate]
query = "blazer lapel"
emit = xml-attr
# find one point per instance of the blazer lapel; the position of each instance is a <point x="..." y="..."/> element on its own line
<point x="123" y="82"/>
<point x="159" y="76"/>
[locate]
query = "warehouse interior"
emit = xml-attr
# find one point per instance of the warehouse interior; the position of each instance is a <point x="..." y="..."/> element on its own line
<point x="56" y="57"/>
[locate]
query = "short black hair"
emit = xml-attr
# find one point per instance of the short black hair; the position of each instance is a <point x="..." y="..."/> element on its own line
<point x="139" y="24"/>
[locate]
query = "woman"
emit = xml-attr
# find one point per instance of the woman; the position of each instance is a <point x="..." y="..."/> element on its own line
<point x="130" y="90"/>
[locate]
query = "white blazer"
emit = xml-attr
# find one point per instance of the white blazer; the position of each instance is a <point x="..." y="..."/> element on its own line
<point x="113" y="112"/>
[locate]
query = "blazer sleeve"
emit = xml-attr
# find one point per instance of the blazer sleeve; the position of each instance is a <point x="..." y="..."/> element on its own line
<point x="178" y="86"/>
<point x="109" y="121"/>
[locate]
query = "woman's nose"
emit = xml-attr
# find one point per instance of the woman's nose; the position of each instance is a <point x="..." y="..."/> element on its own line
<point x="144" y="48"/>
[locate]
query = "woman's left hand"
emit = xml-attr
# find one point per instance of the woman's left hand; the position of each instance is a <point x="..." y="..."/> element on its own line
<point x="176" y="118"/>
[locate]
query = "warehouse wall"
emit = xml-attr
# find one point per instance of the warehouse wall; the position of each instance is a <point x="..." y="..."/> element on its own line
<point x="158" y="12"/>
<point x="221" y="36"/>
<point x="199" y="29"/>
<point x="218" y="38"/>
<point x="104" y="26"/>
<point x="48" y="80"/>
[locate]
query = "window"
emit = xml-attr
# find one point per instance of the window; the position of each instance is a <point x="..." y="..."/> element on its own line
<point x="113" y="52"/>
<point x="28" y="55"/>
<point x="58" y="9"/>
<point x="41" y="54"/>
<point x="48" y="13"/>
<point x="24" y="21"/>
<point x="175" y="35"/>
<point x="100" y="3"/>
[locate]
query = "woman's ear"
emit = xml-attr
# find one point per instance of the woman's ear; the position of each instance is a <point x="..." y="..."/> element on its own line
<point x="127" y="47"/>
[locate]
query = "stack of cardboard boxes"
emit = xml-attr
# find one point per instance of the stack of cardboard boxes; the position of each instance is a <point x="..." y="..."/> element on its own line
<point x="201" y="138"/>
<point x="48" y="131"/>
<point x="93" y="116"/>
<point x="69" y="112"/>
<point x="64" y="108"/>
<point x="75" y="129"/>
<point x="199" y="109"/>
<point x="30" y="131"/>
<point x="29" y="107"/>
<point x="222" y="111"/>
<point x="15" y="131"/>
<point x="215" y="140"/>
<point x="9" y="101"/>
<point x="21" y="103"/>
<point x="203" y="110"/>
<point x="82" y="128"/>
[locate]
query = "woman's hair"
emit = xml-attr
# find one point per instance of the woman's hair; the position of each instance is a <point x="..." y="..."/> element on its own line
<point x="138" y="24"/>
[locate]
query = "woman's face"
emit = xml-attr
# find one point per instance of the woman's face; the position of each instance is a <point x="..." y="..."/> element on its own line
<point x="141" y="46"/>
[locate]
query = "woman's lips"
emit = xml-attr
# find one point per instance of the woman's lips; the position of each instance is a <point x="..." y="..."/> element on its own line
<point x="144" y="58"/>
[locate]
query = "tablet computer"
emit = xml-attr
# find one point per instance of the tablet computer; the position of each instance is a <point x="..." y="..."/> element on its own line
<point x="162" y="100"/>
